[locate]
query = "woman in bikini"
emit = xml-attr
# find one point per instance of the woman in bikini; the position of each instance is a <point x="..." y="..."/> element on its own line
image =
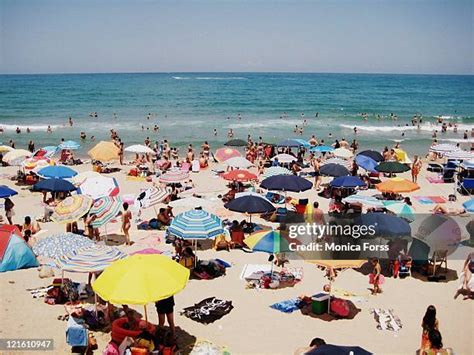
<point x="126" y="222"/>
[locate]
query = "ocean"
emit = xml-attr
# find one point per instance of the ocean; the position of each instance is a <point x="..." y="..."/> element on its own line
<point x="187" y="107"/>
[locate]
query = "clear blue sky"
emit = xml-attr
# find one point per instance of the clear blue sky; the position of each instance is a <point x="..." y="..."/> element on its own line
<point x="379" y="36"/>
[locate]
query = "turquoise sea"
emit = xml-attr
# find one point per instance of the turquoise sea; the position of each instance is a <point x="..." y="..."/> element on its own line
<point x="188" y="106"/>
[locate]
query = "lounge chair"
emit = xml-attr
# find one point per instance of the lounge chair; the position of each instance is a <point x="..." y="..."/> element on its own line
<point x="435" y="168"/>
<point x="439" y="258"/>
<point x="448" y="175"/>
<point x="466" y="186"/>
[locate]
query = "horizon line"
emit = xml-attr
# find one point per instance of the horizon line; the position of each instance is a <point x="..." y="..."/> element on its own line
<point x="233" y="72"/>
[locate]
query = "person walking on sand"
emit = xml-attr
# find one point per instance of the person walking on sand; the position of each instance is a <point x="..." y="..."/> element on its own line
<point x="126" y="222"/>
<point x="428" y="324"/>
<point x="377" y="277"/>
<point x="416" y="168"/>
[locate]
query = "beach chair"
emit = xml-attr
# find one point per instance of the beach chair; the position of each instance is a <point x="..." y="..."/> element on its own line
<point x="435" y="168"/>
<point x="405" y="267"/>
<point x="466" y="186"/>
<point x="448" y="174"/>
<point x="439" y="258"/>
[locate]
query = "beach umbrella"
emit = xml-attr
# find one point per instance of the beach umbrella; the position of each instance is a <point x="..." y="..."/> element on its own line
<point x="334" y="170"/>
<point x="391" y="167"/>
<point x="251" y="203"/>
<point x="5" y="149"/>
<point x="238" y="162"/>
<point x="71" y="145"/>
<point x="269" y="241"/>
<point x="47" y="151"/>
<point x="104" y="151"/>
<point x="284" y="158"/>
<point x="459" y="155"/>
<point x="443" y="148"/>
<point x="222" y="154"/>
<point x="174" y="177"/>
<point x="402" y="156"/>
<point x="322" y="149"/>
<point x="16" y="156"/>
<point x="363" y="200"/>
<point x="343" y="153"/>
<point x="330" y="349"/>
<point x="192" y="202"/>
<point x="141" y="279"/>
<point x="57" y="172"/>
<point x="347" y="182"/>
<point x="286" y="183"/>
<point x="99" y="186"/>
<point x="5" y="191"/>
<point x="151" y="197"/>
<point x="196" y="224"/>
<point x="338" y="161"/>
<point x="293" y="143"/>
<point x="239" y="175"/>
<point x="37" y="163"/>
<point x="372" y="154"/>
<point x="139" y="149"/>
<point x="366" y="162"/>
<point x="236" y="143"/>
<point x="384" y="225"/>
<point x="401" y="209"/>
<point x="54" y="185"/>
<point x="469" y="205"/>
<point x="92" y="258"/>
<point x="106" y="209"/>
<point x="59" y="245"/>
<point x="276" y="170"/>
<point x="81" y="177"/>
<point x="71" y="209"/>
<point x="147" y="251"/>
<point x="397" y="185"/>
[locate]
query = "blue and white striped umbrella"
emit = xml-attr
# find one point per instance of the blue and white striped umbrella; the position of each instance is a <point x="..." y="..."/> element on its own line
<point x="196" y="224"/>
<point x="275" y="170"/>
<point x="71" y="145"/>
<point x="364" y="200"/>
<point x="92" y="258"/>
<point x="401" y="209"/>
<point x="59" y="245"/>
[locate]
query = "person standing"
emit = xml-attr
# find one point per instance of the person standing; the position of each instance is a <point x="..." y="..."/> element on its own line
<point x="126" y="222"/>
<point x="165" y="308"/>
<point x="416" y="168"/>
<point x="9" y="210"/>
<point x="377" y="277"/>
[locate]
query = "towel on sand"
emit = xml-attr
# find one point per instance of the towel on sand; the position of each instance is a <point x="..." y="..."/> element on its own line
<point x="208" y="310"/>
<point x="428" y="200"/>
<point x="288" y="306"/>
<point x="250" y="269"/>
<point x="435" y="179"/>
<point x="386" y="319"/>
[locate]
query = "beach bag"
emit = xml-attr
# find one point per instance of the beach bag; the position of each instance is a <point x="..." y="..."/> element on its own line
<point x="111" y="349"/>
<point x="69" y="290"/>
<point x="340" y="307"/>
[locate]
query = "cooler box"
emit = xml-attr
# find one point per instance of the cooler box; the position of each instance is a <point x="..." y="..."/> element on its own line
<point x="320" y="303"/>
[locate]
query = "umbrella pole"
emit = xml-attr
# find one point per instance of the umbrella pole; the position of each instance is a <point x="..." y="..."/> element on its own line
<point x="95" y="299"/>
<point x="146" y="314"/>
<point x="330" y="289"/>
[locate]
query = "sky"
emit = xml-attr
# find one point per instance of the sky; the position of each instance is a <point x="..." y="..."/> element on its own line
<point x="354" y="36"/>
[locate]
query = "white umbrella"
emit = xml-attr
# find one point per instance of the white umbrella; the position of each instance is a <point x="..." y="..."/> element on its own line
<point x="139" y="149"/>
<point x="100" y="186"/>
<point x="443" y="148"/>
<point x="460" y="155"/>
<point x="284" y="158"/>
<point x="342" y="153"/>
<point x="16" y="156"/>
<point x="238" y="162"/>
<point x="81" y="177"/>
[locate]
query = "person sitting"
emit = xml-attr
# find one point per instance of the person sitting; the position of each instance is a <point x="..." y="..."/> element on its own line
<point x="467" y="283"/>
<point x="315" y="343"/>
<point x="166" y="165"/>
<point x="133" y="322"/>
<point x="203" y="162"/>
<point x="145" y="339"/>
<point x="449" y="208"/>
<point x="221" y="243"/>
<point x="163" y="217"/>
<point x="28" y="225"/>
<point x="236" y="235"/>
<point x="187" y="258"/>
<point x="230" y="195"/>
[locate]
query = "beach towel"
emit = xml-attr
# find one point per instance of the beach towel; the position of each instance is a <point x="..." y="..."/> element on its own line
<point x="435" y="180"/>
<point x="296" y="272"/>
<point x="205" y="347"/>
<point x="76" y="334"/>
<point x="386" y="319"/>
<point x="428" y="200"/>
<point x="208" y="310"/>
<point x="250" y="269"/>
<point x="288" y="306"/>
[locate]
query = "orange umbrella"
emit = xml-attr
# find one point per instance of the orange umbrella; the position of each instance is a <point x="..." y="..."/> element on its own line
<point x="222" y="154"/>
<point x="338" y="264"/>
<point x="239" y="175"/>
<point x="397" y="185"/>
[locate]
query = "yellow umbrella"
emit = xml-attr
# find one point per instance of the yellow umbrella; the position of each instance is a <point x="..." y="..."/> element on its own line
<point x="141" y="279"/>
<point x="402" y="156"/>
<point x="71" y="209"/>
<point x="338" y="264"/>
<point x="104" y="151"/>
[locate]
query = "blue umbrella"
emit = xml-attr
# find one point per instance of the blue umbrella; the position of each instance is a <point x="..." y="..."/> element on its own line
<point x="469" y="205"/>
<point x="321" y="149"/>
<point x="330" y="349"/>
<point x="366" y="163"/>
<point x="196" y="224"/>
<point x="293" y="143"/>
<point x="58" y="245"/>
<point x="347" y="182"/>
<point x="372" y="154"/>
<point x="335" y="170"/>
<point x="57" y="172"/>
<point x="250" y="204"/>
<point x="286" y="183"/>
<point x="72" y="145"/>
<point x="54" y="185"/>
<point x="385" y="225"/>
<point x="5" y="191"/>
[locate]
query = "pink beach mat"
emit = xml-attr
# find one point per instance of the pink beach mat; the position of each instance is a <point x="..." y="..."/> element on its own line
<point x="435" y="180"/>
<point x="428" y="200"/>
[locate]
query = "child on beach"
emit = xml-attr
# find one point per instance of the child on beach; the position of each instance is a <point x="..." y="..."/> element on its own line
<point x="376" y="276"/>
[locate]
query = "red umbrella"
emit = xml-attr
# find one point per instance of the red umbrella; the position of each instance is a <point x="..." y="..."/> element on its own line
<point x="239" y="175"/>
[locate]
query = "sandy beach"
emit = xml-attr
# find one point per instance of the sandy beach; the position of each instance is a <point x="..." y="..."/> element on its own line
<point x="252" y="327"/>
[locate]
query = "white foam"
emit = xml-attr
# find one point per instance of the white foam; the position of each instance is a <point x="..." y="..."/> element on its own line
<point x="33" y="128"/>
<point x="427" y="127"/>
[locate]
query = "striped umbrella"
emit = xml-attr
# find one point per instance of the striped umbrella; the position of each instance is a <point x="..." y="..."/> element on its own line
<point x="196" y="224"/>
<point x="106" y="209"/>
<point x="222" y="154"/>
<point x="275" y="170"/>
<point x="401" y="209"/>
<point x="364" y="200"/>
<point x="338" y="161"/>
<point x="99" y="186"/>
<point x="58" y="245"/>
<point x="93" y="258"/>
<point x="174" y="177"/>
<point x="16" y="156"/>
<point x="460" y="155"/>
<point x="443" y="148"/>
<point x="284" y="158"/>
<point x="269" y="241"/>
<point x="71" y="145"/>
<point x="81" y="177"/>
<point x="71" y="209"/>
<point x="151" y="197"/>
